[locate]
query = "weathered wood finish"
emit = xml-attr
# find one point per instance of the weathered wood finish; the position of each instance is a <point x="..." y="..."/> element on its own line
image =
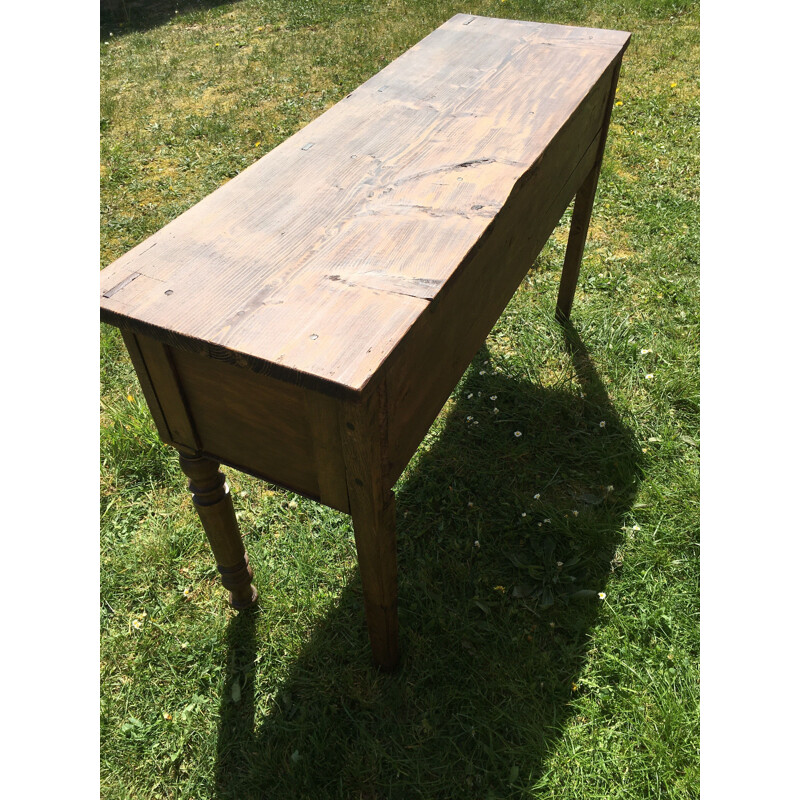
<point x="436" y="351"/>
<point x="306" y="322"/>
<point x="312" y="264"/>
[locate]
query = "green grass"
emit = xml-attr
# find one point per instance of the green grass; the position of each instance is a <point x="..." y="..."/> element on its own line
<point x="516" y="680"/>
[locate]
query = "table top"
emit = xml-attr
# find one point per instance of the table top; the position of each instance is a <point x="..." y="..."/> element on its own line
<point x="315" y="262"/>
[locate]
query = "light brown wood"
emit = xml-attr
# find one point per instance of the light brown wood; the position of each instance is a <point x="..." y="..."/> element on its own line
<point x="314" y="263"/>
<point x="212" y="500"/>
<point x="306" y="322"/>
<point x="422" y="371"/>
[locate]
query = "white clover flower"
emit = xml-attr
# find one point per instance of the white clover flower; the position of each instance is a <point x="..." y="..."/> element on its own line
<point x="524" y="513"/>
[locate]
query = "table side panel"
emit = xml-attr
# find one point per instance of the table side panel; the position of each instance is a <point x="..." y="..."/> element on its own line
<point x="437" y="351"/>
<point x="274" y="430"/>
<point x="262" y="426"/>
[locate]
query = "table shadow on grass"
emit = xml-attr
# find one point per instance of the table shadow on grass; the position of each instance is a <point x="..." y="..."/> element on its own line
<point x="493" y="635"/>
<point x="142" y="15"/>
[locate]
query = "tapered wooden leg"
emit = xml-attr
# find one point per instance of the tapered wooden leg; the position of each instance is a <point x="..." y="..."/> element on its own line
<point x="374" y="527"/>
<point x="214" y="506"/>
<point x="373" y="512"/>
<point x="581" y="217"/>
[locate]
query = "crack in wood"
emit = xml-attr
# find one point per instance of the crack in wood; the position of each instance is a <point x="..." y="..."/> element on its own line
<point x="122" y="284"/>
<point x="421" y="288"/>
<point x="451" y="167"/>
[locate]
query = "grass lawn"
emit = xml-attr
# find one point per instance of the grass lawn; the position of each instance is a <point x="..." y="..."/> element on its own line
<point x="517" y="680"/>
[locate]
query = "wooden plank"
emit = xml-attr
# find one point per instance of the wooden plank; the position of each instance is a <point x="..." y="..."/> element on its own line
<point x="132" y="345"/>
<point x="167" y="386"/>
<point x="424" y="369"/>
<point x="314" y="263"/>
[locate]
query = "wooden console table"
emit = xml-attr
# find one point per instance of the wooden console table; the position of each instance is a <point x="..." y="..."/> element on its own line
<point x="306" y="322"/>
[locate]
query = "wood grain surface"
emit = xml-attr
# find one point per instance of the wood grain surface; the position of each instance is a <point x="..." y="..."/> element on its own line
<point x="314" y="263"/>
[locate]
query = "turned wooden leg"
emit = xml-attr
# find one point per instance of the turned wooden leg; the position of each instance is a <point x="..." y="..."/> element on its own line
<point x="214" y="506"/>
<point x="372" y="509"/>
<point x="581" y="217"/>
